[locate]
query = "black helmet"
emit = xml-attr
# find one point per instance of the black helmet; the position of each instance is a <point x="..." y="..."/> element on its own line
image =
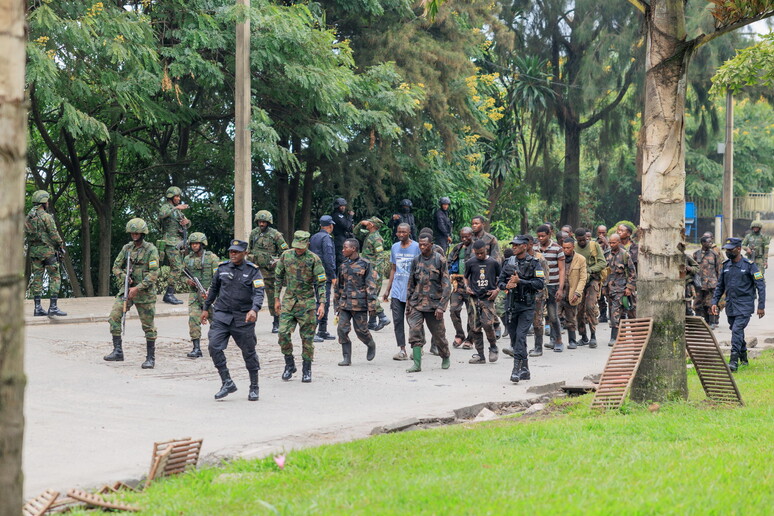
<point x="340" y="201"/>
<point x="407" y="203"/>
<point x="444" y="200"/>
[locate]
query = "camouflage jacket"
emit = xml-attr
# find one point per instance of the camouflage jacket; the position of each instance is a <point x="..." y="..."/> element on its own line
<point x="202" y="267"/>
<point x="633" y="249"/>
<point x="691" y="269"/>
<point x="492" y="246"/>
<point x="373" y="250"/>
<point x="299" y="274"/>
<point x="622" y="273"/>
<point x="356" y="288"/>
<point x="429" y="287"/>
<point x="170" y="219"/>
<point x="457" y="258"/>
<point x="41" y="234"/>
<point x="710" y="265"/>
<point x="265" y="247"/>
<point x="760" y="247"/>
<point x="144" y="270"/>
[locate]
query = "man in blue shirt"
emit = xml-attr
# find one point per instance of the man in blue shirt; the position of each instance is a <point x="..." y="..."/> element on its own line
<point x="739" y="279"/>
<point x="402" y="254"/>
<point x="323" y="246"/>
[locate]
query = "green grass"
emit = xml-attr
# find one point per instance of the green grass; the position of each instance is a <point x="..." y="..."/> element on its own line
<point x="685" y="458"/>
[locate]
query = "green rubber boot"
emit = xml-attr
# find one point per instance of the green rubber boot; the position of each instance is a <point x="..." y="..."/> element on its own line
<point x="445" y="363"/>
<point x="416" y="353"/>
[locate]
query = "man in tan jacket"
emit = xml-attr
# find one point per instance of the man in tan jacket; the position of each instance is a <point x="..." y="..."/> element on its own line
<point x="577" y="276"/>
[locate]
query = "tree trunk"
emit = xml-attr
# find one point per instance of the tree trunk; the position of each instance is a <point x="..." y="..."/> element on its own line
<point x="306" y="198"/>
<point x="105" y="211"/>
<point x="662" y="375"/>
<point x="13" y="147"/>
<point x="571" y="189"/>
<point x="83" y="207"/>
<point x="281" y="217"/>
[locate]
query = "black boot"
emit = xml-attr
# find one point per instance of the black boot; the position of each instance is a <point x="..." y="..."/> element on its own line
<point x="383" y="321"/>
<point x="613" y="337"/>
<point x="253" y="394"/>
<point x="584" y="340"/>
<point x="290" y="367"/>
<point x="275" y="324"/>
<point x="515" y="374"/>
<point x="196" y="352"/>
<point x="733" y="363"/>
<point x="743" y="358"/>
<point x="169" y="296"/>
<point x="593" y="340"/>
<point x="346" y="352"/>
<point x="323" y="333"/>
<point x="524" y="371"/>
<point x="372" y="322"/>
<point x="371" y="354"/>
<point x="317" y="337"/>
<point x="306" y="371"/>
<point x="117" y="355"/>
<point x="38" y="309"/>
<point x="571" y="336"/>
<point x="53" y="309"/>
<point x="228" y="384"/>
<point x="150" y="356"/>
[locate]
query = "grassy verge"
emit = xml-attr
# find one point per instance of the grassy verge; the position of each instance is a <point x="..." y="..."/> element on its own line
<point x="685" y="458"/>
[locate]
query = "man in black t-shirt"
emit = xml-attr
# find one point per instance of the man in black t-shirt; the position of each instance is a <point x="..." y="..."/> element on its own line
<point x="481" y="273"/>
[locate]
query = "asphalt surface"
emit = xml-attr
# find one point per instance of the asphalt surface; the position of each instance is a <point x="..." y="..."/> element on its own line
<point x="90" y="422"/>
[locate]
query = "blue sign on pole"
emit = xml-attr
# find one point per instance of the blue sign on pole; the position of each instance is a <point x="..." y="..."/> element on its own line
<point x="690" y="219"/>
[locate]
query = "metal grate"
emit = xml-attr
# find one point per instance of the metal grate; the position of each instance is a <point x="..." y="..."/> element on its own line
<point x="622" y="364"/>
<point x="714" y="374"/>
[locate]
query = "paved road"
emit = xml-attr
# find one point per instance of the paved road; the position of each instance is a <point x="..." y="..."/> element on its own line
<point x="90" y="421"/>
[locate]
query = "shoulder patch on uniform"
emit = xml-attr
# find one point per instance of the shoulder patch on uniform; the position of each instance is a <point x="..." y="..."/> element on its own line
<point x="758" y="275"/>
<point x="283" y="245"/>
<point x="379" y="249"/>
<point x="540" y="274"/>
<point x="258" y="283"/>
<point x="215" y="269"/>
<point x="153" y="264"/>
<point x="321" y="277"/>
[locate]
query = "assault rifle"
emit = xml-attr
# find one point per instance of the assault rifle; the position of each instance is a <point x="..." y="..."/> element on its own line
<point x="127" y="280"/>
<point x="198" y="284"/>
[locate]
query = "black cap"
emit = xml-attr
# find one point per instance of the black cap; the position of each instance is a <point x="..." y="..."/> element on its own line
<point x="520" y="239"/>
<point x="326" y="220"/>
<point x="238" y="245"/>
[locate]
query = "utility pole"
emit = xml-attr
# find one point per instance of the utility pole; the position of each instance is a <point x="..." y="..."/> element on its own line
<point x="243" y="193"/>
<point x="728" y="170"/>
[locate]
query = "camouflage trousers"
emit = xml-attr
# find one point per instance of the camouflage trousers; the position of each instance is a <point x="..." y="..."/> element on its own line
<point x="195" y="306"/>
<point x="538" y="319"/>
<point x="417" y="320"/>
<point x="146" y="311"/>
<point x="500" y="303"/>
<point x="307" y="322"/>
<point x="379" y="308"/>
<point x="702" y="302"/>
<point x="617" y="311"/>
<point x="174" y="258"/>
<point x="460" y="299"/>
<point x="570" y="314"/>
<point x="483" y="323"/>
<point x="51" y="266"/>
<point x="360" y="320"/>
<point x="589" y="306"/>
<point x="268" y="289"/>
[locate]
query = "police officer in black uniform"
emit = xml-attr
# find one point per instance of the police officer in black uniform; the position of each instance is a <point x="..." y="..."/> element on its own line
<point x="342" y="228"/>
<point x="442" y="224"/>
<point x="739" y="278"/>
<point x="522" y="276"/>
<point x="322" y="245"/>
<point x="404" y="217"/>
<point x="238" y="287"/>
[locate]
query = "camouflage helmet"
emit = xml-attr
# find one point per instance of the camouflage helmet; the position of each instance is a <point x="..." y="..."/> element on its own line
<point x="265" y="216"/>
<point x="197" y="237"/>
<point x="753" y="224"/>
<point x="40" y="197"/>
<point x="173" y="191"/>
<point x="137" y="225"/>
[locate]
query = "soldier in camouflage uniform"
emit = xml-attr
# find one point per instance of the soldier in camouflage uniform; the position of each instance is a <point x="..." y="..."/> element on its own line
<point x="460" y="298"/>
<point x="144" y="271"/>
<point x="428" y="293"/>
<point x="172" y="245"/>
<point x="622" y="281"/>
<point x="756" y="244"/>
<point x="201" y="264"/>
<point x="691" y="270"/>
<point x="299" y="270"/>
<point x="43" y="246"/>
<point x="710" y="265"/>
<point x="266" y="244"/>
<point x="356" y="295"/>
<point x="373" y="251"/>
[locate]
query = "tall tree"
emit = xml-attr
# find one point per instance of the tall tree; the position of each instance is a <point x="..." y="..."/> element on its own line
<point x="13" y="147"/>
<point x="662" y="166"/>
